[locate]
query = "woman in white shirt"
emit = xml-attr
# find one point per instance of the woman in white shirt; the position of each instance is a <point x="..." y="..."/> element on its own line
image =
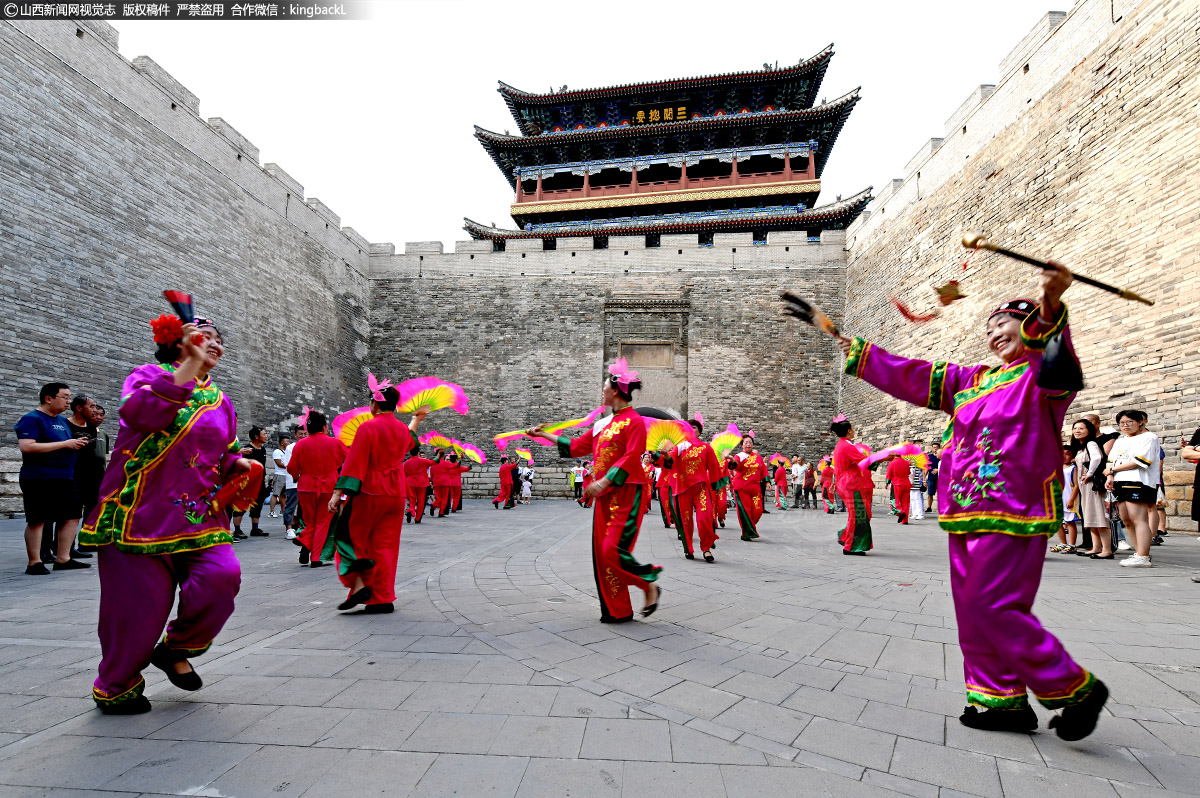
<point x="1133" y="469"/>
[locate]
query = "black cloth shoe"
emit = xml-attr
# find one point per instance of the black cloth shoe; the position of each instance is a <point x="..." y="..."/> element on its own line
<point x="239" y="534"/>
<point x="317" y="564"/>
<point x="356" y="598"/>
<point x="708" y="557"/>
<point x="258" y="533"/>
<point x="304" y="554"/>
<point x="690" y="556"/>
<point x="610" y="619"/>
<point x="38" y="569"/>
<point x="71" y="565"/>
<point x="855" y="553"/>
<point x="76" y="554"/>
<point x="379" y="609"/>
<point x="722" y="523"/>
<point x="164" y="659"/>
<point x="1079" y="720"/>
<point x="1108" y="556"/>
<point x="1010" y="720"/>
<point x="134" y="706"/>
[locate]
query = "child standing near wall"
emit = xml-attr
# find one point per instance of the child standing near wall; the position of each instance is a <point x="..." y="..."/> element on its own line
<point x="526" y="488"/>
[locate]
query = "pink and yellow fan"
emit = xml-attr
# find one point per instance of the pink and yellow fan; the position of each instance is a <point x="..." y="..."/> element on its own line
<point x="471" y="452"/>
<point x="503" y="438"/>
<point x="526" y="454"/>
<point x="345" y="426"/>
<point x="779" y="459"/>
<point x="435" y="438"/>
<point x="429" y="394"/>
<point x="725" y="442"/>
<point x="665" y="434"/>
<point x="905" y="449"/>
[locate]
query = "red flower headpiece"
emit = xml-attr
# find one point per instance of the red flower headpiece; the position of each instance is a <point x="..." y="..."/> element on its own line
<point x="167" y="329"/>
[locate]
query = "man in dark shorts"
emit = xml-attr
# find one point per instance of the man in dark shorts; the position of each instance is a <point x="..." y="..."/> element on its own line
<point x="48" y="478"/>
<point x="257" y="450"/>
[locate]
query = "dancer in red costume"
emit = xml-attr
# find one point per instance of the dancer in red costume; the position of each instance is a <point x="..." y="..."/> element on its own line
<point x="855" y="486"/>
<point x="586" y="501"/>
<point x="616" y="443"/>
<point x="314" y="464"/>
<point x="663" y="487"/>
<point x="748" y="471"/>
<point x="781" y="487"/>
<point x="696" y="475"/>
<point x="899" y="481"/>
<point x="416" y="473"/>
<point x="506" y="484"/>
<point x="827" y="488"/>
<point x="460" y="468"/>
<point x="441" y="474"/>
<point x="367" y="535"/>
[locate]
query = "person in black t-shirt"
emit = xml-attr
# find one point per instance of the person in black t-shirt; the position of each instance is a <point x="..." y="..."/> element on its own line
<point x="255" y="451"/>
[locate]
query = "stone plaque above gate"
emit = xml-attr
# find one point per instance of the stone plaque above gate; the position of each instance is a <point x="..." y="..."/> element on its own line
<point x="651" y="331"/>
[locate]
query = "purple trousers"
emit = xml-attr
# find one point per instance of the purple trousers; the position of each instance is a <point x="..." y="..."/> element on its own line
<point x="994" y="579"/>
<point x="136" y="594"/>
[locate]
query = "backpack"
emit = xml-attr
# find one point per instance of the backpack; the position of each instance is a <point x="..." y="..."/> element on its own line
<point x="1098" y="480"/>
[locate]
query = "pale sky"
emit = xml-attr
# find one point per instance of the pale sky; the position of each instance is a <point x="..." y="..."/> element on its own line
<point x="375" y="118"/>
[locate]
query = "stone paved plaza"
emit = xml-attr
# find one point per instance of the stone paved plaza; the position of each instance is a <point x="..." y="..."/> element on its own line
<point x="784" y="669"/>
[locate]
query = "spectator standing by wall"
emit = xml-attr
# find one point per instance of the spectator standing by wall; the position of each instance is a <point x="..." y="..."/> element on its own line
<point x="579" y="472"/>
<point x="797" y="479"/>
<point x="1191" y="453"/>
<point x="89" y="469"/>
<point x="810" y="486"/>
<point x="1132" y="472"/>
<point x="257" y="451"/>
<point x="47" y="477"/>
<point x="279" y="483"/>
<point x="931" y="480"/>
<point x="1089" y="459"/>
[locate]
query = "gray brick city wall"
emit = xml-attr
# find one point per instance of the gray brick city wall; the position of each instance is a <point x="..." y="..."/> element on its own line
<point x="1096" y="165"/>
<point x="113" y="190"/>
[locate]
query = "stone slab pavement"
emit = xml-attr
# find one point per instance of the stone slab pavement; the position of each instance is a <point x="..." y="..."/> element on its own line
<point x="783" y="669"/>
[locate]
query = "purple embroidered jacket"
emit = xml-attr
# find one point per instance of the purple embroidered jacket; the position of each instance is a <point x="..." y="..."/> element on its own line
<point x="175" y="445"/>
<point x="1001" y="469"/>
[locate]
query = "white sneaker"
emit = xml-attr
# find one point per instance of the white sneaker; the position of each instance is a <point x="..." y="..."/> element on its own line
<point x="1196" y="577"/>
<point x="1137" y="561"/>
<point x="274" y="513"/>
<point x="1123" y="546"/>
<point x="290" y="534"/>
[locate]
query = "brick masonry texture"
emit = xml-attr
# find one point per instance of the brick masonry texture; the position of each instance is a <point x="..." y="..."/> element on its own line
<point x="1101" y="171"/>
<point x="110" y="196"/>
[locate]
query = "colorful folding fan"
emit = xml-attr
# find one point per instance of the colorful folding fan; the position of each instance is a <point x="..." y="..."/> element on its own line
<point x="241" y="491"/>
<point x="779" y="459"/>
<point x="430" y="393"/>
<point x="182" y="303"/>
<point x="471" y="452"/>
<point x="525" y="453"/>
<point x="725" y="442"/>
<point x="905" y="449"/>
<point x="503" y="438"/>
<point x="665" y="434"/>
<point x="345" y="426"/>
<point x="435" y="438"/>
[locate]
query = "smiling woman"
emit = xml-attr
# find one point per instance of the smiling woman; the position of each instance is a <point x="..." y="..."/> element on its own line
<point x="999" y="511"/>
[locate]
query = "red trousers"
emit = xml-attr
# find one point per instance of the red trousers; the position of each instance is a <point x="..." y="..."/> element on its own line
<point x="749" y="510"/>
<point x="664" y="503"/>
<point x="375" y="525"/>
<point x="615" y="524"/>
<point x="695" y="501"/>
<point x="901" y="496"/>
<point x="455" y="498"/>
<point x="441" y="499"/>
<point x="505" y="492"/>
<point x="314" y="509"/>
<point x="722" y="504"/>
<point x="416" y="502"/>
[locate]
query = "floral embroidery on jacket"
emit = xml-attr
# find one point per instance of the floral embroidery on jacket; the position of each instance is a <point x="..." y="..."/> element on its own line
<point x="980" y="482"/>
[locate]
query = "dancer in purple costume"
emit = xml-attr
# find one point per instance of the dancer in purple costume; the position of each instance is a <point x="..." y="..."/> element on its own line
<point x="999" y="510"/>
<point x="155" y="526"/>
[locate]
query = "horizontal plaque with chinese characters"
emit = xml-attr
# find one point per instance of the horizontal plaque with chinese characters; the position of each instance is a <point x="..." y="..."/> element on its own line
<point x="657" y="113"/>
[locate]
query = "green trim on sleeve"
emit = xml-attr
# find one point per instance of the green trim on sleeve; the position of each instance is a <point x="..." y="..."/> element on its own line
<point x="564" y="446"/>
<point x="857" y="358"/>
<point x="616" y="476"/>
<point x="1040" y="341"/>
<point x="348" y="485"/>
<point x="720" y="483"/>
<point x="937" y="380"/>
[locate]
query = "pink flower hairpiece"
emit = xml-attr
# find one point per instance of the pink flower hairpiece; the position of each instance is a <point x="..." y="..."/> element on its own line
<point x="623" y="374"/>
<point x="304" y="417"/>
<point x="699" y="418"/>
<point x="839" y="418"/>
<point x="376" y="387"/>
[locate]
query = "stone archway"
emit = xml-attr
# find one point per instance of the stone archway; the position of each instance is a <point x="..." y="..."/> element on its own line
<point x="651" y="332"/>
